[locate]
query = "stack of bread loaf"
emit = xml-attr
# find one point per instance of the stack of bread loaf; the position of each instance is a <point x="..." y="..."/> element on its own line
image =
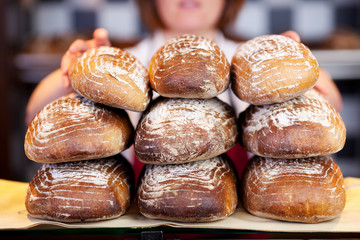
<point x="183" y="135"/>
<point x="291" y="129"/>
<point x="78" y="139"/>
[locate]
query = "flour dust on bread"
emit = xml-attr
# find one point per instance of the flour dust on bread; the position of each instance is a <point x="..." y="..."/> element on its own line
<point x="200" y="191"/>
<point x="305" y="126"/>
<point x="177" y="130"/>
<point x="111" y="76"/>
<point x="91" y="190"/>
<point x="272" y="69"/>
<point x="73" y="128"/>
<point x="307" y="190"/>
<point x="189" y="66"/>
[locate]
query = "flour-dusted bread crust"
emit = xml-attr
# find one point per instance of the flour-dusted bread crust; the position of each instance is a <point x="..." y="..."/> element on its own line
<point x="272" y="69"/>
<point x="189" y="66"/>
<point x="307" y="190"/>
<point x="111" y="76"/>
<point x="181" y="130"/>
<point x="305" y="126"/>
<point x="200" y="191"/>
<point x="74" y="128"/>
<point x="81" y="191"/>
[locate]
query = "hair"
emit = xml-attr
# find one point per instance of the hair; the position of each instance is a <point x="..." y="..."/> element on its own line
<point x="152" y="20"/>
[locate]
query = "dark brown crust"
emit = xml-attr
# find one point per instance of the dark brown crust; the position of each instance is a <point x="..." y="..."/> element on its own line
<point x="77" y="134"/>
<point x="187" y="139"/>
<point x="189" y="75"/>
<point x="183" y="190"/>
<point x="48" y="198"/>
<point x="302" y="138"/>
<point x="306" y="190"/>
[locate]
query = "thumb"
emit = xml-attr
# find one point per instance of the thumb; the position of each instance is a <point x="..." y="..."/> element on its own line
<point x="101" y="37"/>
<point x="321" y="90"/>
<point x="66" y="81"/>
<point x="291" y="34"/>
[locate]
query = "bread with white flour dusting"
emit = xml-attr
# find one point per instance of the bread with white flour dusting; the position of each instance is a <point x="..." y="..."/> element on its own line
<point x="200" y="191"/>
<point x="178" y="130"/>
<point x="73" y="128"/>
<point x="304" y="126"/>
<point x="307" y="190"/>
<point x="91" y="190"/>
<point x="189" y="66"/>
<point x="272" y="69"/>
<point x="111" y="76"/>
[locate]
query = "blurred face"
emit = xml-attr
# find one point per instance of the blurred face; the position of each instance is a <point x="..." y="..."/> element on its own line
<point x="190" y="15"/>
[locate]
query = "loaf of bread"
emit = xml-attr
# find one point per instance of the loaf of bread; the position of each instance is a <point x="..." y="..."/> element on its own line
<point x="305" y="126"/>
<point x="81" y="191"/>
<point x="178" y="130"/>
<point x="307" y="190"/>
<point x="200" y="191"/>
<point x="272" y="69"/>
<point x="111" y="76"/>
<point x="189" y="66"/>
<point x="74" y="128"/>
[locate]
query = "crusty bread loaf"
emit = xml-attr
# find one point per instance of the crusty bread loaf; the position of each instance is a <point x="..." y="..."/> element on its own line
<point x="74" y="128"/>
<point x="189" y="66"/>
<point x="200" y="191"/>
<point x="111" y="76"/>
<point x="81" y="191"/>
<point x="305" y="126"/>
<point x="272" y="69"/>
<point x="305" y="190"/>
<point x="177" y="130"/>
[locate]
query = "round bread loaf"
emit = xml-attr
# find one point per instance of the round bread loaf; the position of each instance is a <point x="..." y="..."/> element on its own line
<point x="307" y="190"/>
<point x="176" y="130"/>
<point x="112" y="77"/>
<point x="74" y="128"/>
<point x="81" y="191"/>
<point x="272" y="69"/>
<point x="305" y="126"/>
<point x="189" y="66"/>
<point x="200" y="191"/>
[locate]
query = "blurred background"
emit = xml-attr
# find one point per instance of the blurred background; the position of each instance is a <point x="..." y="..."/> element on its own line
<point x="35" y="34"/>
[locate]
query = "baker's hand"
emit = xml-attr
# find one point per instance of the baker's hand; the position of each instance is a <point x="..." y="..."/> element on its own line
<point x="327" y="87"/>
<point x="100" y="38"/>
<point x="291" y="34"/>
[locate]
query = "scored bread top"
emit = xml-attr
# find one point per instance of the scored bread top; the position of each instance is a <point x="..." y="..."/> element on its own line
<point x="197" y="191"/>
<point x="301" y="127"/>
<point x="183" y="130"/>
<point x="308" y="108"/>
<point x="111" y="76"/>
<point x="271" y="69"/>
<point x="301" y="190"/>
<point x="73" y="128"/>
<point x="81" y="191"/>
<point x="189" y="66"/>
